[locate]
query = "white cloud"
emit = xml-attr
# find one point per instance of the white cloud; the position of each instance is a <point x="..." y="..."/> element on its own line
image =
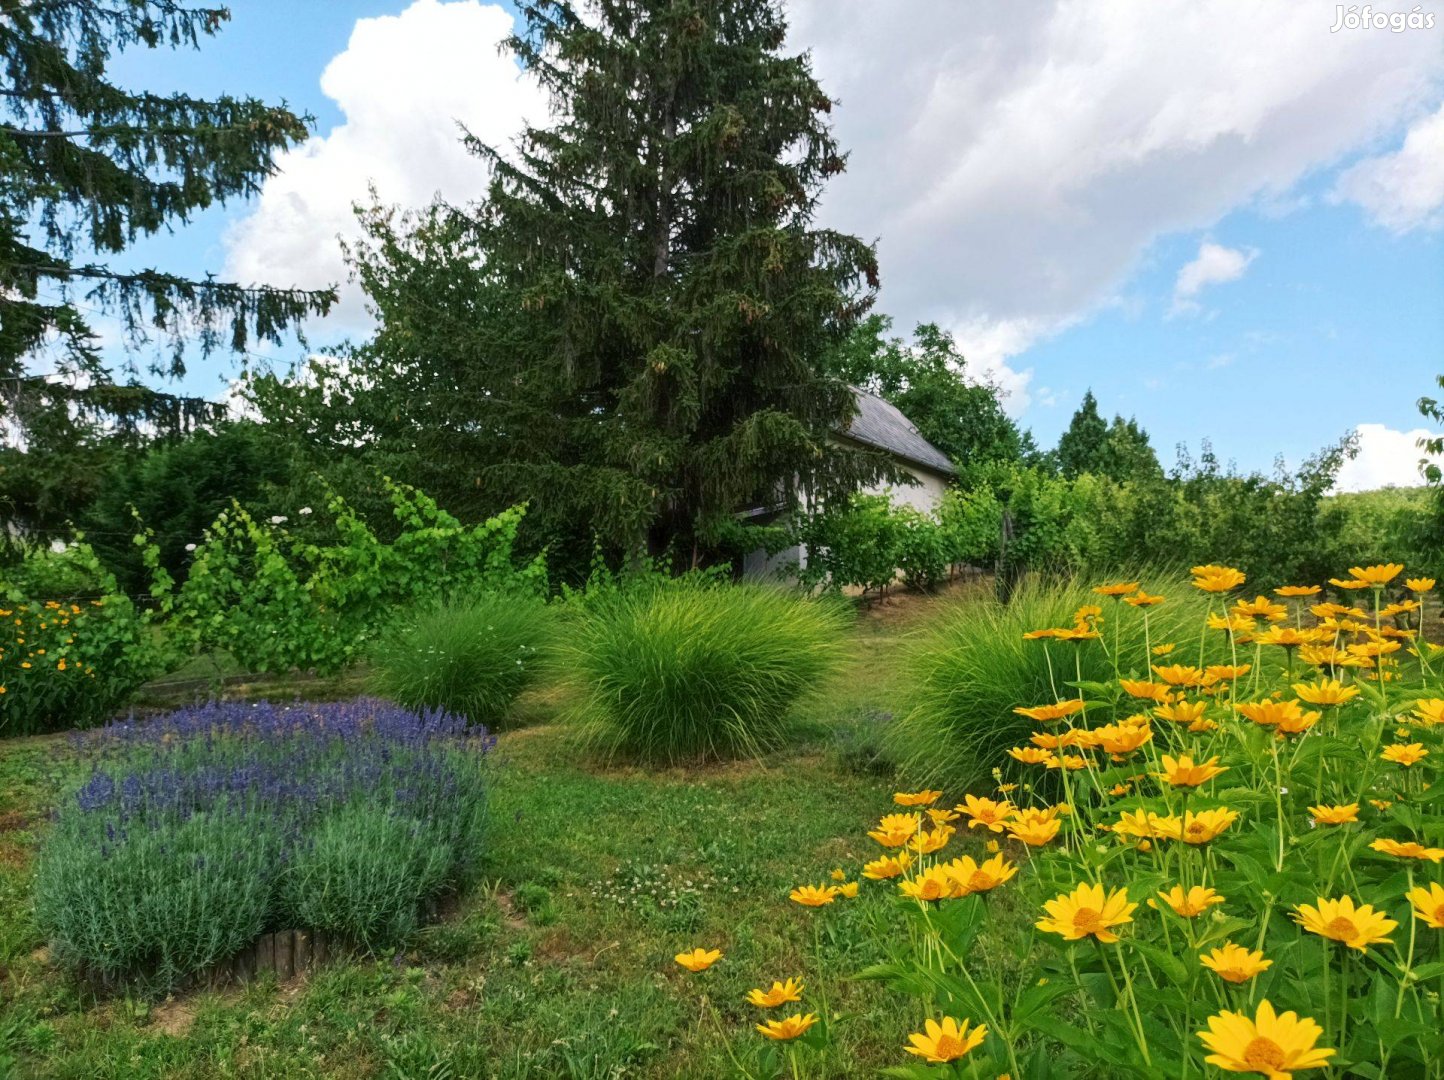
<point x="1386" y="458"/>
<point x="988" y="345"/>
<point x="1403" y="190"/>
<point x="403" y="83"/>
<point x="1213" y="265"/>
<point x="1016" y="162"/>
<point x="1015" y="165"/>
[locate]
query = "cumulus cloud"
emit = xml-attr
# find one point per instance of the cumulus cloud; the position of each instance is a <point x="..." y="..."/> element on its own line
<point x="1403" y="190"/>
<point x="1016" y="162"/>
<point x="403" y="84"/>
<point x="1213" y="265"/>
<point x="1386" y="458"/>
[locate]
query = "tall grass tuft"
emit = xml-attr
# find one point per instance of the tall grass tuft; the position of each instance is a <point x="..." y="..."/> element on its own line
<point x="966" y="673"/>
<point x="471" y="658"/>
<point x="691" y="674"/>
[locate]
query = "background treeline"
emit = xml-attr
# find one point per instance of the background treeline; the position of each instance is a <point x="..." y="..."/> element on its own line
<point x="1099" y="499"/>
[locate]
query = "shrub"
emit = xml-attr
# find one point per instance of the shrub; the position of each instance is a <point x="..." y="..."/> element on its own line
<point x="969" y="670"/>
<point x="857" y="545"/>
<point x="699" y="673"/>
<point x="73" y="648"/>
<point x="203" y="828"/>
<point x="162" y="899"/>
<point x="315" y="596"/>
<point x="605" y="587"/>
<point x="973" y="521"/>
<point x="868" y="542"/>
<point x="471" y="658"/>
<point x="365" y="873"/>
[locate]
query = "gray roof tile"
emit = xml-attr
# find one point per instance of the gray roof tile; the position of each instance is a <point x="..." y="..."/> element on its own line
<point x="879" y="423"/>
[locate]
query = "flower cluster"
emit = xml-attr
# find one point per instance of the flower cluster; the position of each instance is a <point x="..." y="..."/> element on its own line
<point x="196" y="830"/>
<point x="1235" y="842"/>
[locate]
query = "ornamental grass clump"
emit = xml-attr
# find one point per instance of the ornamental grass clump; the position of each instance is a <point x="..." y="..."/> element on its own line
<point x="1207" y="866"/>
<point x="694" y="674"/>
<point x="965" y="675"/>
<point x="472" y="658"/>
<point x="198" y="831"/>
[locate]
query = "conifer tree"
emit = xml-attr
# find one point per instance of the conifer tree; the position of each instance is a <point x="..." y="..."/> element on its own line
<point x="629" y="330"/>
<point x="1080" y="447"/>
<point x="86" y="168"/>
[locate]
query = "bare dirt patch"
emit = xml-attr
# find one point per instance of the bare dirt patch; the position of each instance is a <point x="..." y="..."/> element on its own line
<point x="174" y="1017"/>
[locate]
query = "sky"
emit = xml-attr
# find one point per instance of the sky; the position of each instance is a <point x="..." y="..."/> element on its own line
<point x="1226" y="220"/>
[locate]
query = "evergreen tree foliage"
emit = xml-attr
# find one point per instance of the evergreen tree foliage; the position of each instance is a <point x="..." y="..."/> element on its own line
<point x="927" y="381"/>
<point x="179" y="488"/>
<point x="86" y="168"/>
<point x="1080" y="448"/>
<point x="1119" y="450"/>
<point x="628" y="331"/>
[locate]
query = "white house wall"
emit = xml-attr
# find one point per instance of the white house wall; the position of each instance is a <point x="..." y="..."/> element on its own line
<point x="925" y="495"/>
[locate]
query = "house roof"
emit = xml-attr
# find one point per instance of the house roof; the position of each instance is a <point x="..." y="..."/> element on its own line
<point x="879" y="423"/>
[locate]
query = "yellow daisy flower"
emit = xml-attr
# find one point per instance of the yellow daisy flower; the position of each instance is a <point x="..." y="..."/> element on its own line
<point x="1271" y="1044"/>
<point x="948" y="1041"/>
<point x="788" y="1029"/>
<point x="1192" y="902"/>
<point x="1339" y="920"/>
<point x="777" y="994"/>
<point x="1088" y="911"/>
<point x="1428" y="904"/>
<point x="698" y="959"/>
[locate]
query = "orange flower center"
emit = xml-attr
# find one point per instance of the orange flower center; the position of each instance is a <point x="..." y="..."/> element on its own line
<point x="1341" y="928"/>
<point x="1263" y="1055"/>
<point x="1087" y="921"/>
<point x="1439" y="914"/>
<point x="1196" y="829"/>
<point x="949" y="1048"/>
<point x="981" y="881"/>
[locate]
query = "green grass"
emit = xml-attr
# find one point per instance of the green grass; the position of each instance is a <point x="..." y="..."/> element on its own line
<point x="698" y="674"/>
<point x="966" y="671"/>
<point x="559" y="964"/>
<point x="472" y="657"/>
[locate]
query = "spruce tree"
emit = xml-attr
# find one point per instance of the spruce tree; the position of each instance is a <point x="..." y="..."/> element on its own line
<point x="1119" y="450"/>
<point x="629" y="330"/>
<point x="1081" y="447"/>
<point x="86" y="168"/>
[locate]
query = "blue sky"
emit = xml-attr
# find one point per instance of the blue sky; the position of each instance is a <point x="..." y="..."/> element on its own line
<point x="1034" y="193"/>
<point x="1335" y="323"/>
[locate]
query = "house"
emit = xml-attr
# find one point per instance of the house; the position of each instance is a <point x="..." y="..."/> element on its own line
<point x="879" y="425"/>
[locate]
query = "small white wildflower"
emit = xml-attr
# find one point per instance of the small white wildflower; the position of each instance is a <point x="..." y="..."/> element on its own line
<point x="190" y="547"/>
<point x="279" y="519"/>
<point x="305" y="511"/>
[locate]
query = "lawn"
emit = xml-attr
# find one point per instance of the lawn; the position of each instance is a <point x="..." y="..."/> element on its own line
<point x="560" y="962"/>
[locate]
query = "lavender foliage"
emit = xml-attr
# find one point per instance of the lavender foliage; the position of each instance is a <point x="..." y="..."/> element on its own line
<point x="197" y="830"/>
